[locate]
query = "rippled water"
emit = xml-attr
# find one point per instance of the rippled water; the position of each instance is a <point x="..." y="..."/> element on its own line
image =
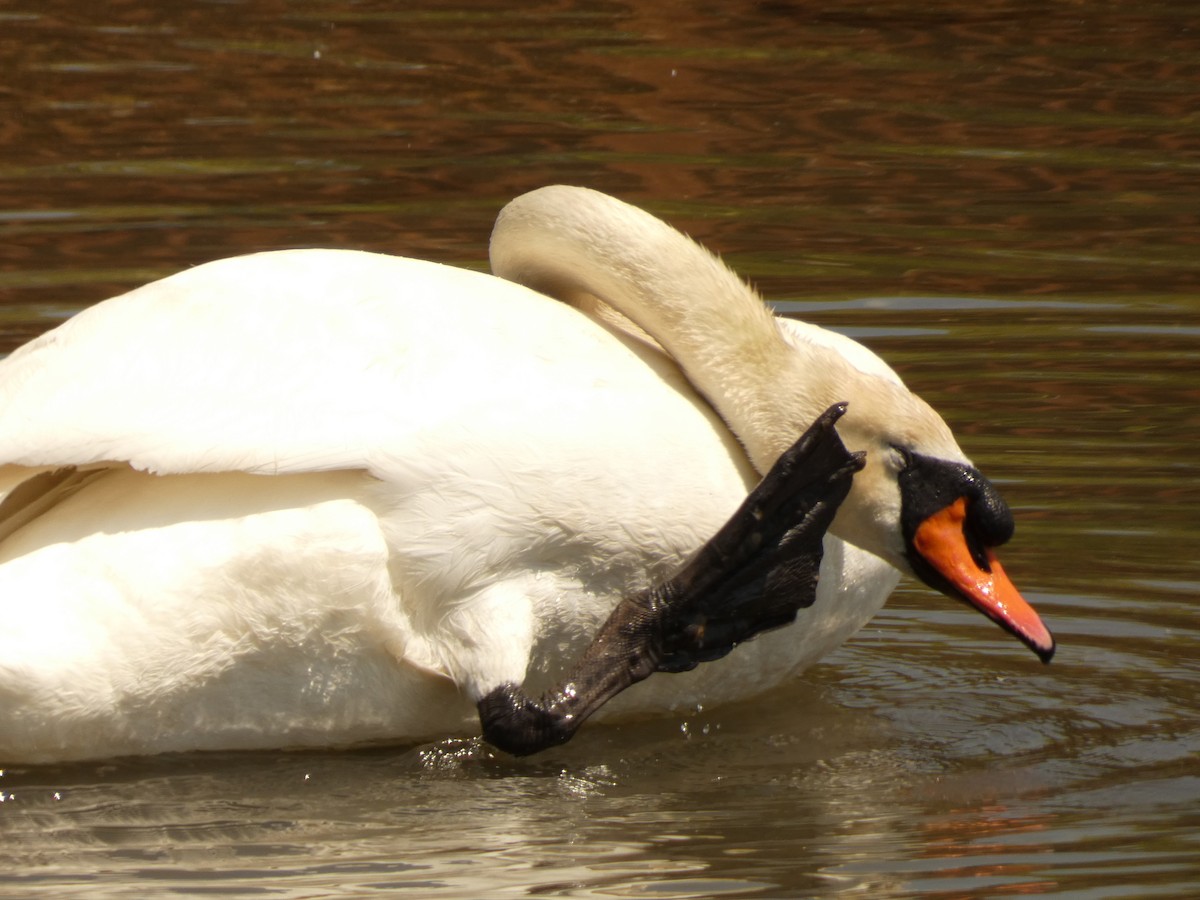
<point x="1002" y="198"/>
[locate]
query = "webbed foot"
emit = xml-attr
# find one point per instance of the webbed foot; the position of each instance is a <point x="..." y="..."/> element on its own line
<point x="752" y="576"/>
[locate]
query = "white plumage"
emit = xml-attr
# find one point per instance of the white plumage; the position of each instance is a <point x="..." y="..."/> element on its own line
<point x="322" y="497"/>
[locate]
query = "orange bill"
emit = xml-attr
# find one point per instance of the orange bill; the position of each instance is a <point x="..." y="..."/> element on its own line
<point x="941" y="541"/>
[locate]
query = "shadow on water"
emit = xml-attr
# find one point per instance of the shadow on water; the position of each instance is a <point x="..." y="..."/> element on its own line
<point x="1001" y="198"/>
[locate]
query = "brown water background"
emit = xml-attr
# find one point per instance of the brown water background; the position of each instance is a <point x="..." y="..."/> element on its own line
<point x="1000" y="197"/>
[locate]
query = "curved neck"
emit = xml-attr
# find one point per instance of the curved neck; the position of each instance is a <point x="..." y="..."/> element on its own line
<point x="578" y="246"/>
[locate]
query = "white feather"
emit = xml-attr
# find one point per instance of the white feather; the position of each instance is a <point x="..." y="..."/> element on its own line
<point x="323" y="497"/>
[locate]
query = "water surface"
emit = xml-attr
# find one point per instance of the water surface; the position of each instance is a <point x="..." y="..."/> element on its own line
<point x="1002" y="198"/>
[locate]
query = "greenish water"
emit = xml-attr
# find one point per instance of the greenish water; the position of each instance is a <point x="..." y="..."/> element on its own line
<point x="1001" y="198"/>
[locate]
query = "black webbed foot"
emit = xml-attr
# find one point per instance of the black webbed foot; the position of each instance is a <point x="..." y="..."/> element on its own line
<point x="752" y="576"/>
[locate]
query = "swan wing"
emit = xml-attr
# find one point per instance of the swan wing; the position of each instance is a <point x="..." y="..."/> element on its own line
<point x="272" y="363"/>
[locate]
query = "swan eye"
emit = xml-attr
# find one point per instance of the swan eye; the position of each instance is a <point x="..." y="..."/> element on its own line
<point x="898" y="458"/>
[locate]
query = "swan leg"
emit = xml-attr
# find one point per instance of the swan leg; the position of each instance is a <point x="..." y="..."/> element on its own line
<point x="753" y="575"/>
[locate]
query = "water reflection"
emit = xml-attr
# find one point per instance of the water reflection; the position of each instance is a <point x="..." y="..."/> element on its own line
<point x="1001" y="199"/>
<point x="961" y="152"/>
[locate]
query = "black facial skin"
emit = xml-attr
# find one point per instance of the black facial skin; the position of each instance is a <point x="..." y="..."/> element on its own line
<point x="929" y="485"/>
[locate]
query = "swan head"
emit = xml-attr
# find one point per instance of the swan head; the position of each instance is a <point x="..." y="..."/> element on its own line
<point x="918" y="502"/>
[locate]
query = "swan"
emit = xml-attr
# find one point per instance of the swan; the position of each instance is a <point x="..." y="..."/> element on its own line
<point x="327" y="497"/>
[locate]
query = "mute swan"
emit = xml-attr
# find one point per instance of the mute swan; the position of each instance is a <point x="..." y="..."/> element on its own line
<point x="316" y="498"/>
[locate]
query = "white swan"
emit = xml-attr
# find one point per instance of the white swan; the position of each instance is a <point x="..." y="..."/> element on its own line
<point x="313" y="497"/>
